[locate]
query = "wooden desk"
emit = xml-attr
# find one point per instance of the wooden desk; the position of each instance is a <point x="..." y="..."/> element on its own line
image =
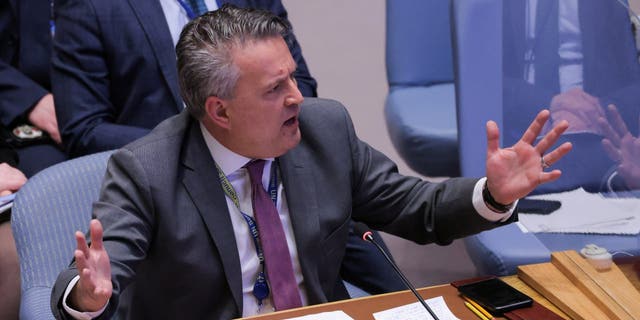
<point x="363" y="308"/>
<point x="630" y="266"/>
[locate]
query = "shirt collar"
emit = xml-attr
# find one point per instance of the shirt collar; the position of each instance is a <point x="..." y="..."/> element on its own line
<point x="228" y="160"/>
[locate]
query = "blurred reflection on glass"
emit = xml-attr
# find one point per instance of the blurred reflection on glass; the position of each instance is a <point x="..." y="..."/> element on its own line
<point x="576" y="58"/>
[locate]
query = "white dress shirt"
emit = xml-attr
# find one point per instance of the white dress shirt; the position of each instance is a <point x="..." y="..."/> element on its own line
<point x="232" y="164"/>
<point x="177" y="17"/>
<point x="570" y="72"/>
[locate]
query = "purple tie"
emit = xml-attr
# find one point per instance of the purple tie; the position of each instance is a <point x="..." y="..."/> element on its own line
<point x="284" y="287"/>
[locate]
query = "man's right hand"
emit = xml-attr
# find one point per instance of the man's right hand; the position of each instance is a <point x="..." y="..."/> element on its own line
<point x="93" y="290"/>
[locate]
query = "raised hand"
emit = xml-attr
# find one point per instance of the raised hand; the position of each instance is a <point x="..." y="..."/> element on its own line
<point x="93" y="290"/>
<point x="622" y="147"/>
<point x="514" y="172"/>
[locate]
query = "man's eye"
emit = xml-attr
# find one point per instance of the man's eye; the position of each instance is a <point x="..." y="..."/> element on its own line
<point x="275" y="88"/>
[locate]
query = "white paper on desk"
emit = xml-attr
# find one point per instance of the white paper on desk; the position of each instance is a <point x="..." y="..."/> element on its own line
<point x="332" y="315"/>
<point x="584" y="212"/>
<point x="416" y="311"/>
<point x="6" y="202"/>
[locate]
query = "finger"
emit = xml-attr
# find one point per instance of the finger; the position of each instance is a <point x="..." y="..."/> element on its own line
<point x="635" y="149"/>
<point x="557" y="154"/>
<point x="551" y="137"/>
<point x="608" y="132"/>
<point x="611" y="150"/>
<point x="546" y="177"/>
<point x="493" y="137"/>
<point x="82" y="243"/>
<point x="86" y="279"/>
<point x="629" y="148"/>
<point x="81" y="260"/>
<point x="535" y="127"/>
<point x="55" y="136"/>
<point x="96" y="234"/>
<point x="616" y="120"/>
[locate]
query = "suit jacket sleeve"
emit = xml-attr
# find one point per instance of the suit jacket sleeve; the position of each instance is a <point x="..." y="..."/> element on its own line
<point x="19" y="94"/>
<point x="126" y="213"/>
<point x="81" y="83"/>
<point x="366" y="183"/>
<point x="418" y="210"/>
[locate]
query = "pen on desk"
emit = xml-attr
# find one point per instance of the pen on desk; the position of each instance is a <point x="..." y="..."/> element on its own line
<point x="476" y="311"/>
<point x="479" y="308"/>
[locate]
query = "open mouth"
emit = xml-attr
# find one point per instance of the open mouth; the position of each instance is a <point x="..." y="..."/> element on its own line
<point x="291" y="121"/>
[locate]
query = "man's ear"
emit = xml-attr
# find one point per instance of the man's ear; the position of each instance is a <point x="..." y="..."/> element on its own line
<point x="216" y="111"/>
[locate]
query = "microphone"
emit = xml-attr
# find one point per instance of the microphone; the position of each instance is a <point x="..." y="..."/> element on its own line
<point x="367" y="235"/>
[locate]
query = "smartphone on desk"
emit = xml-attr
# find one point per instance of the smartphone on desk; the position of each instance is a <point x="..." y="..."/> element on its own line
<point x="495" y="295"/>
<point x="538" y="206"/>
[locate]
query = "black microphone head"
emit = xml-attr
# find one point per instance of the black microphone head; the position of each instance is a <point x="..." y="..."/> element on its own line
<point x="363" y="230"/>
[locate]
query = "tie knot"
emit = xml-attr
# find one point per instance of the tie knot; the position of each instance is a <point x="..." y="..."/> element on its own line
<point x="255" y="169"/>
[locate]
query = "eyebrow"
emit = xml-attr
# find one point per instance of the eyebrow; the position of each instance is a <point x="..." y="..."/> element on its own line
<point x="280" y="79"/>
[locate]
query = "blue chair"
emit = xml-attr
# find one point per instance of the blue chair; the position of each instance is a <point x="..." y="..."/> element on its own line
<point x="47" y="211"/>
<point x="487" y="85"/>
<point x="420" y="107"/>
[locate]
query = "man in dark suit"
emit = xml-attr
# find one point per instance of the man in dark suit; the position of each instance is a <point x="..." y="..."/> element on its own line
<point x="25" y="95"/>
<point x="117" y="58"/>
<point x="602" y="43"/>
<point x="575" y="58"/>
<point x="174" y="203"/>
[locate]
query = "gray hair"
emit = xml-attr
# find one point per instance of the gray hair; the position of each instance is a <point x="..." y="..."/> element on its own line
<point x="205" y="64"/>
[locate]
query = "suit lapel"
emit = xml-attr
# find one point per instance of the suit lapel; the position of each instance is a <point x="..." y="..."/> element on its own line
<point x="304" y="211"/>
<point x="151" y="18"/>
<point x="201" y="182"/>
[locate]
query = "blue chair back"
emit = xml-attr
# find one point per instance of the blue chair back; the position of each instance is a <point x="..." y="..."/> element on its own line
<point x="420" y="107"/>
<point x="477" y="39"/>
<point x="418" y="48"/>
<point x="47" y="211"/>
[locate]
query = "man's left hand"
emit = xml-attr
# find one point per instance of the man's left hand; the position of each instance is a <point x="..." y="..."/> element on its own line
<point x="514" y="172"/>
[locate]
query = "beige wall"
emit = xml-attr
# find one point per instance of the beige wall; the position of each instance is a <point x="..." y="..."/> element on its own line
<point x="343" y="43"/>
<point x="344" y="48"/>
<point x="635" y="6"/>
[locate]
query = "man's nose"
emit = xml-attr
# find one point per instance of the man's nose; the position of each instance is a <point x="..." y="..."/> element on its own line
<point x="294" y="96"/>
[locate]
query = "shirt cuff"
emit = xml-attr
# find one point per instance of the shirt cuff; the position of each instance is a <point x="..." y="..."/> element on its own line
<point x="79" y="315"/>
<point x="483" y="209"/>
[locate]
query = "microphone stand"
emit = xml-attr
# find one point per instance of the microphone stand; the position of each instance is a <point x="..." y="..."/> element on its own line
<point x="368" y="237"/>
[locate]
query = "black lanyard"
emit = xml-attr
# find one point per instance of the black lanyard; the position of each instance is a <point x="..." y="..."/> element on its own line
<point x="52" y="18"/>
<point x="260" y="286"/>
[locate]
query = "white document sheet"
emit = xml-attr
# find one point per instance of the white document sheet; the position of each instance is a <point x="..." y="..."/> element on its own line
<point x="416" y="311"/>
<point x="332" y="315"/>
<point x="583" y="212"/>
